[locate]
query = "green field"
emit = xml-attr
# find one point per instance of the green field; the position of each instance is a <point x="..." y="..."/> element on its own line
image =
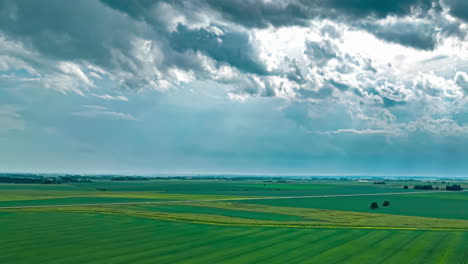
<point x="208" y="221"/>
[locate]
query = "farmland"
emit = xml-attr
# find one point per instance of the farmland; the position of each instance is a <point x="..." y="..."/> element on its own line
<point x="221" y="221"/>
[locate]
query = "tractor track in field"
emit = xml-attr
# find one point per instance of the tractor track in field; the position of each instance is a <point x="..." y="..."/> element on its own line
<point x="396" y="250"/>
<point x="223" y="199"/>
<point x="464" y="259"/>
<point x="347" y="257"/>
<point x="433" y="249"/>
<point x="341" y="243"/>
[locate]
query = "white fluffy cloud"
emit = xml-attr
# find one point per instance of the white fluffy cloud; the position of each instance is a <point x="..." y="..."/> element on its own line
<point x="108" y="97"/>
<point x="93" y="111"/>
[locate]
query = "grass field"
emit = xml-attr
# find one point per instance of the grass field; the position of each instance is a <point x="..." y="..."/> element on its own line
<point x="192" y="222"/>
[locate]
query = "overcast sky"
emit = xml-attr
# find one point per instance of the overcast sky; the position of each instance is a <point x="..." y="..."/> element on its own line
<point x="315" y="87"/>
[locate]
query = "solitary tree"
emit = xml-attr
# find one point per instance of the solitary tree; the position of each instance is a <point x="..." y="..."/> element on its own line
<point x="406" y="187"/>
<point x="374" y="205"/>
<point x="386" y="203"/>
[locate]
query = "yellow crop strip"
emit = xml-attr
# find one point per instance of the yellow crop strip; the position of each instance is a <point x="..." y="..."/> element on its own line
<point x="21" y="195"/>
<point x="311" y="218"/>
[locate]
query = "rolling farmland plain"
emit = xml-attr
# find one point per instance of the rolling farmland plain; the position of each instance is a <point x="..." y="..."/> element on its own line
<point x="222" y="221"/>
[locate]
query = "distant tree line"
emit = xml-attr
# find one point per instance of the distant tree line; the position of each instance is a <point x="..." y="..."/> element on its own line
<point x="454" y="187"/>
<point x="423" y="187"/>
<point x="43" y="180"/>
<point x="130" y="178"/>
<point x="379" y="182"/>
<point x="19" y="180"/>
<point x="66" y="179"/>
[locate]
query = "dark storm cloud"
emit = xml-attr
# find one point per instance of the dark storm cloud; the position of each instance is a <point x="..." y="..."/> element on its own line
<point x="358" y="13"/>
<point x="251" y="13"/>
<point x="136" y="9"/>
<point x="458" y="8"/>
<point x="261" y="14"/>
<point x="381" y="9"/>
<point x="417" y="35"/>
<point x="111" y="34"/>
<point x="91" y="32"/>
<point x="361" y="14"/>
<point x="75" y="31"/>
<point x="67" y="30"/>
<point x="422" y="33"/>
<point x="156" y="12"/>
<point x="233" y="48"/>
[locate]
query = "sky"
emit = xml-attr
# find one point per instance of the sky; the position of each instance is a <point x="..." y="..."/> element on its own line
<point x="291" y="87"/>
